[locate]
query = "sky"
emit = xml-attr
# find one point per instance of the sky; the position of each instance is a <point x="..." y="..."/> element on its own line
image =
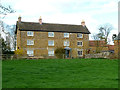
<point x="93" y="12"/>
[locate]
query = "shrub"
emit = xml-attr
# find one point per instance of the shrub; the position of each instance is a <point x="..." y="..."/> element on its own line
<point x="59" y="52"/>
<point x="19" y="53"/>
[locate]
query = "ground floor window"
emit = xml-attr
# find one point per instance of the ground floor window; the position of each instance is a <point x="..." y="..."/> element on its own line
<point x="50" y="52"/>
<point x="80" y="52"/>
<point x="30" y="52"/>
<point x="51" y="43"/>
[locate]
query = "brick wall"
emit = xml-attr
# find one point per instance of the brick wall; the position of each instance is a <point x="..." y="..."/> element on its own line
<point x="41" y="47"/>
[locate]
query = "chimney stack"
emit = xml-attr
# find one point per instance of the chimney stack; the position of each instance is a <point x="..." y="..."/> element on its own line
<point x="83" y="23"/>
<point x="19" y="19"/>
<point x="40" y="20"/>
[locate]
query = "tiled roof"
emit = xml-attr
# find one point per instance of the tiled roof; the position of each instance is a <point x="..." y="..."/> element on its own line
<point x="111" y="47"/>
<point x="93" y="43"/>
<point x="49" y="27"/>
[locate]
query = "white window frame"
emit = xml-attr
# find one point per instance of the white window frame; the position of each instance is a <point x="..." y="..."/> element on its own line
<point x="66" y="43"/>
<point x="80" y="36"/>
<point x="30" y="33"/>
<point x="51" y="52"/>
<point x="66" y="35"/>
<point x="80" y="42"/>
<point x="50" y="34"/>
<point x="49" y="44"/>
<point x="30" y="42"/>
<point x="81" y="50"/>
<point x="30" y="52"/>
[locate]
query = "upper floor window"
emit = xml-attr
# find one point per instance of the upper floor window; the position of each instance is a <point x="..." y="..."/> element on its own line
<point x="80" y="43"/>
<point x="66" y="35"/>
<point x="30" y="33"/>
<point x="66" y="43"/>
<point x="80" y="52"/>
<point x="51" y="43"/>
<point x="79" y="35"/>
<point x="30" y="52"/>
<point x="30" y="42"/>
<point x="50" y="52"/>
<point x="50" y="34"/>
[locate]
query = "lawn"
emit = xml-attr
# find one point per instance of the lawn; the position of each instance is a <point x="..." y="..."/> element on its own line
<point x="60" y="73"/>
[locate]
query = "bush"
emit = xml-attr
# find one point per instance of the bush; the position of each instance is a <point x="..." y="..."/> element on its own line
<point x="19" y="53"/>
<point x="59" y="52"/>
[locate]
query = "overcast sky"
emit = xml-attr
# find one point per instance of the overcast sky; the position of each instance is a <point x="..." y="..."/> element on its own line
<point x="94" y="12"/>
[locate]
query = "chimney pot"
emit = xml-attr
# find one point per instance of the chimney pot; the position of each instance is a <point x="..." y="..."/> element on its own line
<point x="40" y="20"/>
<point x="83" y="23"/>
<point x="19" y="19"/>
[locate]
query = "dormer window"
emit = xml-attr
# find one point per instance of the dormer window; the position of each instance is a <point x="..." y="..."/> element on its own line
<point x="30" y="33"/>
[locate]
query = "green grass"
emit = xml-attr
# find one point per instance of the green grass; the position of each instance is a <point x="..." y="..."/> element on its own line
<point x="60" y="73"/>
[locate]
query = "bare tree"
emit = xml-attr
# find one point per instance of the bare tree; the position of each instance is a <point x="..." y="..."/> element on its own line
<point x="6" y="10"/>
<point x="104" y="31"/>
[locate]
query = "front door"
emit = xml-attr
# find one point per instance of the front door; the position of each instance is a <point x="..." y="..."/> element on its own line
<point x="68" y="51"/>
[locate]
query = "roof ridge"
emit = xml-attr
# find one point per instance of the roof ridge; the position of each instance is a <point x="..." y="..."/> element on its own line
<point x="51" y="23"/>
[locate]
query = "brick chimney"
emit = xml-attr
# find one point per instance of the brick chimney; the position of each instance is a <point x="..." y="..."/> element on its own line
<point x="40" y="20"/>
<point x="83" y="23"/>
<point x="19" y="19"/>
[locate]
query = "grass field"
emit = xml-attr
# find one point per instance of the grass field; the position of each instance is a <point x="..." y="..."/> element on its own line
<point x="60" y="73"/>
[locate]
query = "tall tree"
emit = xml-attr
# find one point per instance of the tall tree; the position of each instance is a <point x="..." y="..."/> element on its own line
<point x="4" y="10"/>
<point x="104" y="31"/>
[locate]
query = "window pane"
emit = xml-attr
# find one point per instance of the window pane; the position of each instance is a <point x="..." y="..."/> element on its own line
<point x="50" y="34"/>
<point x="80" y="53"/>
<point x="79" y="43"/>
<point x="29" y="33"/>
<point x="66" y="35"/>
<point x="79" y="35"/>
<point x="51" y="42"/>
<point x="30" y="42"/>
<point x="50" y="52"/>
<point x="66" y="43"/>
<point x="30" y="52"/>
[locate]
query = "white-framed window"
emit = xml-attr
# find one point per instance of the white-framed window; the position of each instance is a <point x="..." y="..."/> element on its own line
<point x="79" y="43"/>
<point x="30" y="52"/>
<point x="79" y="35"/>
<point x="51" y="43"/>
<point x="30" y="33"/>
<point x="80" y="52"/>
<point x="30" y="42"/>
<point x="66" y="35"/>
<point x="50" y="52"/>
<point x="66" y="43"/>
<point x="50" y="34"/>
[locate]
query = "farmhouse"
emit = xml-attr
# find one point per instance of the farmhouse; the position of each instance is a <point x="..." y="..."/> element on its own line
<point x="42" y="39"/>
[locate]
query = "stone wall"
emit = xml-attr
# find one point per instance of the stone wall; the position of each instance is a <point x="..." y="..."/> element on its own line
<point x="98" y="55"/>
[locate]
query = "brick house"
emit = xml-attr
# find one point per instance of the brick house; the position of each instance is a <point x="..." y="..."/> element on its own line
<point x="97" y="46"/>
<point x="42" y="39"/>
